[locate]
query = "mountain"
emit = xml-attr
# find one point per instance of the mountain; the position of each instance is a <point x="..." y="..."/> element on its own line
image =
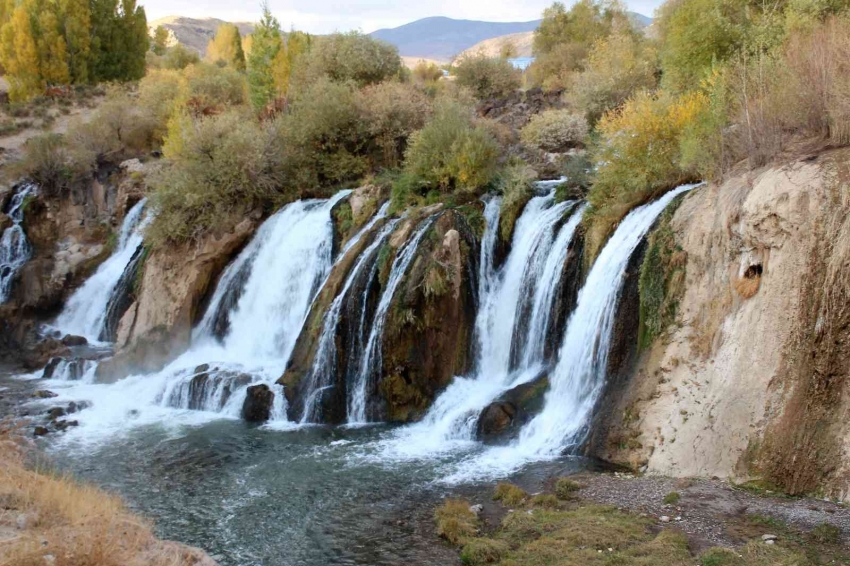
<point x="493" y="47"/>
<point x="442" y="38"/>
<point x="195" y="33"/>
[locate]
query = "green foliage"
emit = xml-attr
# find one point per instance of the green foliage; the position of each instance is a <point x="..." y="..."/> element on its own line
<point x="119" y="129"/>
<point x="226" y="47"/>
<point x="391" y="112"/>
<point x="516" y="186"/>
<point x="219" y="168"/>
<point x="179" y="57"/>
<point x="487" y="77"/>
<point x="566" y="488"/>
<point x="451" y="153"/>
<point x="555" y="130"/>
<point x="322" y="137"/>
<point x="119" y="40"/>
<point x="617" y="67"/>
<point x="350" y="56"/>
<point x="672" y="498"/>
<point x="266" y="43"/>
<point x="577" y="171"/>
<point x="160" y="41"/>
<point x="662" y="278"/>
<point x="209" y="88"/>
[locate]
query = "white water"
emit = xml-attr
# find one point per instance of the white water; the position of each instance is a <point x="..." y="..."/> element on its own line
<point x="579" y="377"/>
<point x="325" y="359"/>
<point x="533" y="269"/>
<point x="15" y="249"/>
<point x="85" y="312"/>
<point x="371" y="360"/>
<point x="291" y="257"/>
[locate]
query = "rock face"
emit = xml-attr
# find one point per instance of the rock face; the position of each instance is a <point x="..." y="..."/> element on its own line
<point x="752" y="379"/>
<point x="258" y="404"/>
<point x="428" y="334"/>
<point x="157" y="326"/>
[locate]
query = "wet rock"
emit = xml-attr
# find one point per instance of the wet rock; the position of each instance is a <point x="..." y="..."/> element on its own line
<point x="257" y="407"/>
<point x="38" y="352"/>
<point x="71" y="340"/>
<point x="503" y="418"/>
<point x="496" y="418"/>
<point x="50" y="368"/>
<point x="62" y="426"/>
<point x="44" y="394"/>
<point x="40" y="431"/>
<point x="202" y="368"/>
<point x="55" y="413"/>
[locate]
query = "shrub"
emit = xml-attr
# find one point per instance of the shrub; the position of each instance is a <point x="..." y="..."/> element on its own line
<point x="671" y="498"/>
<point x="219" y="168"/>
<point x="179" y="57"/>
<point x="322" y="138"/>
<point x="158" y="93"/>
<point x="545" y="500"/>
<point x="516" y="185"/>
<point x="483" y="551"/>
<point x="554" y="70"/>
<point x="617" y="67"/>
<point x="577" y="171"/>
<point x="637" y="157"/>
<point x="425" y="72"/>
<point x="391" y="112"/>
<point x="118" y="129"/>
<point x="349" y="57"/>
<point x="488" y="77"/>
<point x="451" y="153"/>
<point x="509" y="494"/>
<point x="210" y="88"/>
<point x="555" y="130"/>
<point x="52" y="163"/>
<point x="566" y="488"/>
<point x="455" y="522"/>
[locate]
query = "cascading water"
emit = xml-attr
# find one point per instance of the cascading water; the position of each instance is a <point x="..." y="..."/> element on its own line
<point x="324" y="363"/>
<point x="358" y="398"/>
<point x="15" y="249"/>
<point x="87" y="310"/>
<point x="579" y="376"/>
<point x="533" y="270"/>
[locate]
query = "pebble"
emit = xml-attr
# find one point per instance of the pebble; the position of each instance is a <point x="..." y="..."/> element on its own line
<point x="477" y="509"/>
<point x="665" y="519"/>
<point x="769" y="537"/>
<point x="771" y="541"/>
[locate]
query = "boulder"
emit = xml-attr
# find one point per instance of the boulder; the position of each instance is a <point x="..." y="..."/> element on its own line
<point x="71" y="340"/>
<point x="503" y="418"/>
<point x="44" y="394"/>
<point x="257" y="407"/>
<point x="50" y="368"/>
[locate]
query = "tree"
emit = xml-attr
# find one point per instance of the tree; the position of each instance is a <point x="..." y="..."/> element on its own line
<point x="160" y="40"/>
<point x="76" y="23"/>
<point x="19" y="54"/>
<point x="297" y="44"/>
<point x="52" y="51"/>
<point x="226" y="46"/>
<point x="120" y="40"/>
<point x="266" y="43"/>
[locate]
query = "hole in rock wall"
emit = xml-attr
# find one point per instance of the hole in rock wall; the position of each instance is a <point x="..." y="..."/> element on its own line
<point x="748" y="285"/>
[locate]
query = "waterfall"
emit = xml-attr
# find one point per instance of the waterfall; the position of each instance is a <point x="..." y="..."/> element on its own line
<point x="15" y="249"/>
<point x="325" y="360"/>
<point x="371" y="361"/>
<point x="579" y="376"/>
<point x="86" y="312"/>
<point x="531" y="273"/>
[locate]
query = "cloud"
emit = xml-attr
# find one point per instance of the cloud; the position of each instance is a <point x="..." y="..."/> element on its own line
<point x="325" y="16"/>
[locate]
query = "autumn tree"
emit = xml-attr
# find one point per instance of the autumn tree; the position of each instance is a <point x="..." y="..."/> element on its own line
<point x="226" y="46"/>
<point x="160" y="40"/>
<point x="19" y="54"/>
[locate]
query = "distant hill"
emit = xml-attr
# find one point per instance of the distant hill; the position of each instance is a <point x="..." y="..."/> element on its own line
<point x="195" y="33"/>
<point x="492" y="47"/>
<point x="442" y="38"/>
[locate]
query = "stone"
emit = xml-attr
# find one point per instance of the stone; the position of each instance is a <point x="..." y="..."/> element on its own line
<point x="769" y="537"/>
<point x="496" y="418"/>
<point x="664" y="519"/>
<point x="257" y="407"/>
<point x="477" y="509"/>
<point x="50" y="368"/>
<point x="71" y="340"/>
<point x="40" y="431"/>
<point x="771" y="541"/>
<point x="44" y="394"/>
<point x="55" y="413"/>
<point x="65" y="425"/>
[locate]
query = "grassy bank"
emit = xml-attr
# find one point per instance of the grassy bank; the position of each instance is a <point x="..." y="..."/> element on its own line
<point x="47" y="518"/>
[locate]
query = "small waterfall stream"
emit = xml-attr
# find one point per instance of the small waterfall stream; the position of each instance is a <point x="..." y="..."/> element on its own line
<point x="97" y="303"/>
<point x="15" y="249"/>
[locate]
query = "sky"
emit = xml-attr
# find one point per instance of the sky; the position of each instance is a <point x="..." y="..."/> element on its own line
<point x="325" y="16"/>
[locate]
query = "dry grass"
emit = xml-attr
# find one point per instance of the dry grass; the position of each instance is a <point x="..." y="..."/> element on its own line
<point x="747" y="287"/>
<point x="509" y="494"/>
<point x="455" y="522"/>
<point x="76" y="524"/>
<point x="566" y="488"/>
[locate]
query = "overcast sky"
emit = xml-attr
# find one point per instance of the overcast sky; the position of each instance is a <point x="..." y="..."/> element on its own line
<point x="324" y="16"/>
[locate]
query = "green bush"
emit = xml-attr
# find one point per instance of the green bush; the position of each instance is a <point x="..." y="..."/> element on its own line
<point x="451" y="153"/>
<point x="566" y="488"/>
<point x="212" y="88"/>
<point x="391" y="112"/>
<point x="425" y="72"/>
<point x="487" y="77"/>
<point x="672" y="498"/>
<point x="516" y="186"/>
<point x="350" y="56"/>
<point x="120" y="128"/>
<point x="322" y="139"/>
<point x="158" y="94"/>
<point x="218" y="168"/>
<point x="555" y="130"/>
<point x="577" y="171"/>
<point x="179" y="57"/>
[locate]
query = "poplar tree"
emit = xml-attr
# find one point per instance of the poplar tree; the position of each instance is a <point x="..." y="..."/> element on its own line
<point x="265" y="45"/>
<point x="297" y="44"/>
<point x="76" y="24"/>
<point x="52" y="51"/>
<point x="160" y="40"/>
<point x="19" y="53"/>
<point x="226" y="46"/>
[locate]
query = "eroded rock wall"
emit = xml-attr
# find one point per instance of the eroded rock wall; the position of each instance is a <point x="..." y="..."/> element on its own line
<point x="751" y="379"/>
